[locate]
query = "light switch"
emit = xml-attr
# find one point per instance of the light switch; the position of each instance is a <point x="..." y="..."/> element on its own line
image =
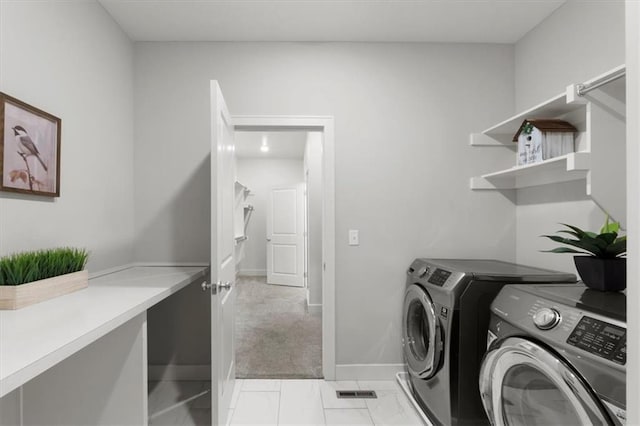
<point x="354" y="239"/>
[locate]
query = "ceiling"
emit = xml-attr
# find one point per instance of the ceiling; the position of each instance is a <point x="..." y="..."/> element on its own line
<point x="288" y="144"/>
<point x="477" y="21"/>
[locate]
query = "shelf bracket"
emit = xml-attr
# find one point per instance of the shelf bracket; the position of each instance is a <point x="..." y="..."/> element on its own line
<point x="480" y="183"/>
<point x="480" y="139"/>
<point x="573" y="96"/>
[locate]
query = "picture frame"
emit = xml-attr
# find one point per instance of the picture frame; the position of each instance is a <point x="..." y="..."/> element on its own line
<point x="29" y="149"/>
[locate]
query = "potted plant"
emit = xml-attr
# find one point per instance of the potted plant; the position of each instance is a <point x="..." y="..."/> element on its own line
<point x="602" y="265"/>
<point x="31" y="277"/>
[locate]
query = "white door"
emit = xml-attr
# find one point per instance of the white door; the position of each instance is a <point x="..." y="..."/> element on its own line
<point x="223" y="293"/>
<point x="285" y="236"/>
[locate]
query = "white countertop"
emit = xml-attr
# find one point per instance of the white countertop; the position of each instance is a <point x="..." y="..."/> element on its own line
<point x="35" y="338"/>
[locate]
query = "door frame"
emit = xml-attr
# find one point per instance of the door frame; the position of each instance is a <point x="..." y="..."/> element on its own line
<point x="324" y="124"/>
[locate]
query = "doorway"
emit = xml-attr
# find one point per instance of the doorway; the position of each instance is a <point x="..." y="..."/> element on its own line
<point x="320" y="128"/>
<point x="278" y="324"/>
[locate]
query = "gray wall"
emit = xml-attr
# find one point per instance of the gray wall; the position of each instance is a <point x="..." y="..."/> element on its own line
<point x="313" y="168"/>
<point x="179" y="333"/>
<point x="73" y="61"/>
<point x="260" y="175"/>
<point x="403" y="115"/>
<point x="579" y="41"/>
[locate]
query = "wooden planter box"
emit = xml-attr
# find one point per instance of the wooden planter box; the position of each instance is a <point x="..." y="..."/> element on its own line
<point x="19" y="296"/>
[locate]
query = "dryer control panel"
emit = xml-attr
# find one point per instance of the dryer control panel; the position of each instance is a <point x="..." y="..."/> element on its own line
<point x="600" y="338"/>
<point x="439" y="277"/>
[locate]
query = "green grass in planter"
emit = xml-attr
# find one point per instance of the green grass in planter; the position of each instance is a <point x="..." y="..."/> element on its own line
<point x="21" y="268"/>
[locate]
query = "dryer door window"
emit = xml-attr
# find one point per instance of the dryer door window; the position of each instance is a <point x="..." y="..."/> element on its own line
<point x="422" y="342"/>
<point x="522" y="383"/>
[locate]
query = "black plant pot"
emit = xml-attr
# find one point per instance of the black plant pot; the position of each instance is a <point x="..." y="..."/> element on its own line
<point x="602" y="274"/>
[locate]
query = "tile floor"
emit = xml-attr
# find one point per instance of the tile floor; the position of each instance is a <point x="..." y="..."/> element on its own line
<point x="284" y="402"/>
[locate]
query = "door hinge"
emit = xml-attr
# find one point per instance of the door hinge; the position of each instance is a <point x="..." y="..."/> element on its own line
<point x="305" y="275"/>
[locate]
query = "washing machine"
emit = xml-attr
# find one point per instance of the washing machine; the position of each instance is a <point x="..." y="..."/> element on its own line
<point x="445" y="322"/>
<point x="557" y="357"/>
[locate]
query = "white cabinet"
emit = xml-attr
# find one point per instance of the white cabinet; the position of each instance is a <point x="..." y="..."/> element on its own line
<point x="81" y="359"/>
<point x="600" y="143"/>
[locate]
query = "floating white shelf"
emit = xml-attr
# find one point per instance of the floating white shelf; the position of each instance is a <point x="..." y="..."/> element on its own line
<point x="597" y="108"/>
<point x="574" y="166"/>
<point x="241" y="188"/>
<point x="502" y="133"/>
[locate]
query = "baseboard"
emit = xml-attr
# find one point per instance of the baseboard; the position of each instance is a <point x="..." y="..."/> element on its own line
<point x="179" y="372"/>
<point x="314" y="309"/>
<point x="368" y="371"/>
<point x="253" y="272"/>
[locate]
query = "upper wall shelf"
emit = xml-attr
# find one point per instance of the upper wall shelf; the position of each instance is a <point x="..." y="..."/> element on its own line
<point x="502" y="133"/>
<point x="597" y="108"/>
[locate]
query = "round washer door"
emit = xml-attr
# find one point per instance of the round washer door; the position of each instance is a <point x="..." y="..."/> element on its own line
<point x="421" y="339"/>
<point x="522" y="383"/>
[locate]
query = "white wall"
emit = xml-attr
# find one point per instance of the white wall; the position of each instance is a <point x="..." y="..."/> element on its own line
<point x="313" y="169"/>
<point x="72" y="60"/>
<point x="403" y="114"/>
<point x="579" y="41"/>
<point x="259" y="175"/>
<point x="633" y="208"/>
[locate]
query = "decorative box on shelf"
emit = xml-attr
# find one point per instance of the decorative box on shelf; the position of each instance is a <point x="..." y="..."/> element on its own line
<point x="19" y="296"/>
<point x="542" y="139"/>
<point x="35" y="276"/>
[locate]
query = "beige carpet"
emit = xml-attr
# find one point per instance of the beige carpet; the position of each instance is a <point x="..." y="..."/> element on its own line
<point x="276" y="337"/>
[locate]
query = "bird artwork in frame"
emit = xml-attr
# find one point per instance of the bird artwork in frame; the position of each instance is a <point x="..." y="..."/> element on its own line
<point x="29" y="149"/>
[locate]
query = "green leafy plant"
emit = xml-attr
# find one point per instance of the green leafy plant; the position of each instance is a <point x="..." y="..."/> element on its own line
<point x="21" y="268"/>
<point x="605" y="245"/>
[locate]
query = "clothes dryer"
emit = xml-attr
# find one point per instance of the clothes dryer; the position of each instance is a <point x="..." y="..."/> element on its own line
<point x="557" y="356"/>
<point x="445" y="322"/>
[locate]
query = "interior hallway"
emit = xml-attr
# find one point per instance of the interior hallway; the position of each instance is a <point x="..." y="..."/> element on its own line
<point x="276" y="336"/>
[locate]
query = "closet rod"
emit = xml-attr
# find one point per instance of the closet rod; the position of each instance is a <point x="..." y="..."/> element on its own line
<point x="583" y="89"/>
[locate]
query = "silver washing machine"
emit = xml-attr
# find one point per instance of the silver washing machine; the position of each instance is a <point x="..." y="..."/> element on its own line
<point x="557" y="357"/>
<point x="445" y="322"/>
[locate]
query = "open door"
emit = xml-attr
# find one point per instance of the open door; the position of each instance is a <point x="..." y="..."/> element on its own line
<point x="285" y="236"/>
<point x="223" y="272"/>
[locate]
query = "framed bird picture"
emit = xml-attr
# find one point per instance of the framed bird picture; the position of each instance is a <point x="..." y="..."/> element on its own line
<point x="29" y="149"/>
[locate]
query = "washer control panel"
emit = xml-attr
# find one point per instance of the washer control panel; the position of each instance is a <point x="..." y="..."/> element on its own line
<point x="600" y="338"/>
<point x="546" y="318"/>
<point x="439" y="277"/>
<point x="423" y="271"/>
